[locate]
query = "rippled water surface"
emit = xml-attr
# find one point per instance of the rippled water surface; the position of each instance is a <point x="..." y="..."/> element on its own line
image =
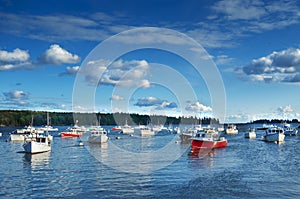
<point x="134" y="167"/>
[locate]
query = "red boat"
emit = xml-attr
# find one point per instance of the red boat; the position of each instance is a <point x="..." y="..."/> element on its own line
<point x="207" y="140"/>
<point x="117" y="128"/>
<point x="71" y="132"/>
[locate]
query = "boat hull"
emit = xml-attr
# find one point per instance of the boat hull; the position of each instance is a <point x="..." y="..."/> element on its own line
<point x="274" y="137"/>
<point x="98" y="139"/>
<point x="36" y="147"/>
<point x="250" y="135"/>
<point x="66" y="134"/>
<point x="204" y="144"/>
<point x="291" y="133"/>
<point x="232" y="131"/>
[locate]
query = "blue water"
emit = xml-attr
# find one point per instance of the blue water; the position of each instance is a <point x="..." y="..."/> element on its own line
<point x="245" y="169"/>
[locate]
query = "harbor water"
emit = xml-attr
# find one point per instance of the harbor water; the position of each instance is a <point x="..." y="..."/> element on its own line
<point x="246" y="168"/>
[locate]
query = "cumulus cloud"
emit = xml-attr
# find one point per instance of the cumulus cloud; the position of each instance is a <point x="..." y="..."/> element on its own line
<point x="283" y="66"/>
<point x="283" y="110"/>
<point x="57" y="55"/>
<point x="235" y="9"/>
<point x="117" y="97"/>
<point x="122" y="73"/>
<point x="70" y="70"/>
<point x="197" y="107"/>
<point x="16" y="60"/>
<point x="157" y="103"/>
<point x="16" y="97"/>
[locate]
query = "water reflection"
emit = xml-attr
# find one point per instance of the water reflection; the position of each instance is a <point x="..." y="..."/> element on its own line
<point x="37" y="161"/>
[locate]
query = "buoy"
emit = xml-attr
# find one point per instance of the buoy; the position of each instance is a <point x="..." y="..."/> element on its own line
<point x="118" y="137"/>
<point x="176" y="142"/>
<point x="130" y="135"/>
<point x="80" y="144"/>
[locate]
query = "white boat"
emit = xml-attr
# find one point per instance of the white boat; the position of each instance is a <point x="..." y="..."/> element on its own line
<point x="143" y="131"/>
<point x="37" y="143"/>
<point x="231" y="129"/>
<point x="251" y="133"/>
<point x="186" y="135"/>
<point x="290" y="131"/>
<point x="48" y="128"/>
<point x="157" y="128"/>
<point x="126" y="129"/>
<point x="19" y="134"/>
<point x="98" y="135"/>
<point x="274" y="134"/>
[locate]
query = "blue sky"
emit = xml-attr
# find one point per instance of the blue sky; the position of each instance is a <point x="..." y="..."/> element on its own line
<point x="254" y="44"/>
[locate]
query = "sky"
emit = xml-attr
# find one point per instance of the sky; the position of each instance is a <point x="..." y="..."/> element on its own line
<point x="237" y="59"/>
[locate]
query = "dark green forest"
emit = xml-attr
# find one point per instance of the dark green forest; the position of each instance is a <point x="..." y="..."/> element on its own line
<point x="39" y="118"/>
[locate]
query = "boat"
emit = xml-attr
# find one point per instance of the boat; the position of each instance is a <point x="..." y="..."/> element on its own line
<point x="143" y="131"/>
<point x="186" y="135"/>
<point x="48" y="127"/>
<point x="208" y="139"/>
<point x="37" y="143"/>
<point x="157" y="128"/>
<point x="231" y="129"/>
<point x="265" y="127"/>
<point x="19" y="134"/>
<point x="290" y="131"/>
<point x="116" y="128"/>
<point x="251" y="133"/>
<point x="126" y="129"/>
<point x="98" y="135"/>
<point x="71" y="132"/>
<point x="274" y="134"/>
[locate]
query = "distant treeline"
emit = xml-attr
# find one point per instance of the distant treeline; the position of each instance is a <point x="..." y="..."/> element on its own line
<point x="39" y="118"/>
<point x="274" y="121"/>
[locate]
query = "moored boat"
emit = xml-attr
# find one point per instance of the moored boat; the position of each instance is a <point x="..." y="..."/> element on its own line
<point x="126" y="129"/>
<point x="19" y="134"/>
<point x="231" y="129"/>
<point x="290" y="131"/>
<point x="251" y="133"/>
<point x="37" y="143"/>
<point x="143" y="131"/>
<point x="208" y="140"/>
<point x="98" y="135"/>
<point x="71" y="132"/>
<point x="116" y="128"/>
<point x="274" y="134"/>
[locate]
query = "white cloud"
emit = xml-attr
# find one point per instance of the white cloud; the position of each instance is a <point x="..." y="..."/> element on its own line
<point x="71" y="70"/>
<point x="14" y="57"/>
<point x="122" y="73"/>
<point x="282" y="110"/>
<point x="156" y="103"/>
<point x="117" y="97"/>
<point x="57" y="55"/>
<point x="235" y="9"/>
<point x="16" y="97"/>
<point x="198" y="107"/>
<point x="15" y="60"/>
<point x="283" y="66"/>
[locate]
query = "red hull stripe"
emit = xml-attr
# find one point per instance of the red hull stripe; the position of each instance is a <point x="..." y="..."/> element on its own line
<point x="70" y="135"/>
<point x="197" y="144"/>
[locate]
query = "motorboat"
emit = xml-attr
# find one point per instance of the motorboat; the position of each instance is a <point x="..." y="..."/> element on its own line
<point x="143" y="130"/>
<point x="19" y="134"/>
<point x="37" y="143"/>
<point x="231" y="129"/>
<point x="71" y="132"/>
<point x="250" y="134"/>
<point x="98" y="135"/>
<point x="209" y="139"/>
<point x="126" y="129"/>
<point x="116" y="128"/>
<point x="290" y="131"/>
<point x="274" y="134"/>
